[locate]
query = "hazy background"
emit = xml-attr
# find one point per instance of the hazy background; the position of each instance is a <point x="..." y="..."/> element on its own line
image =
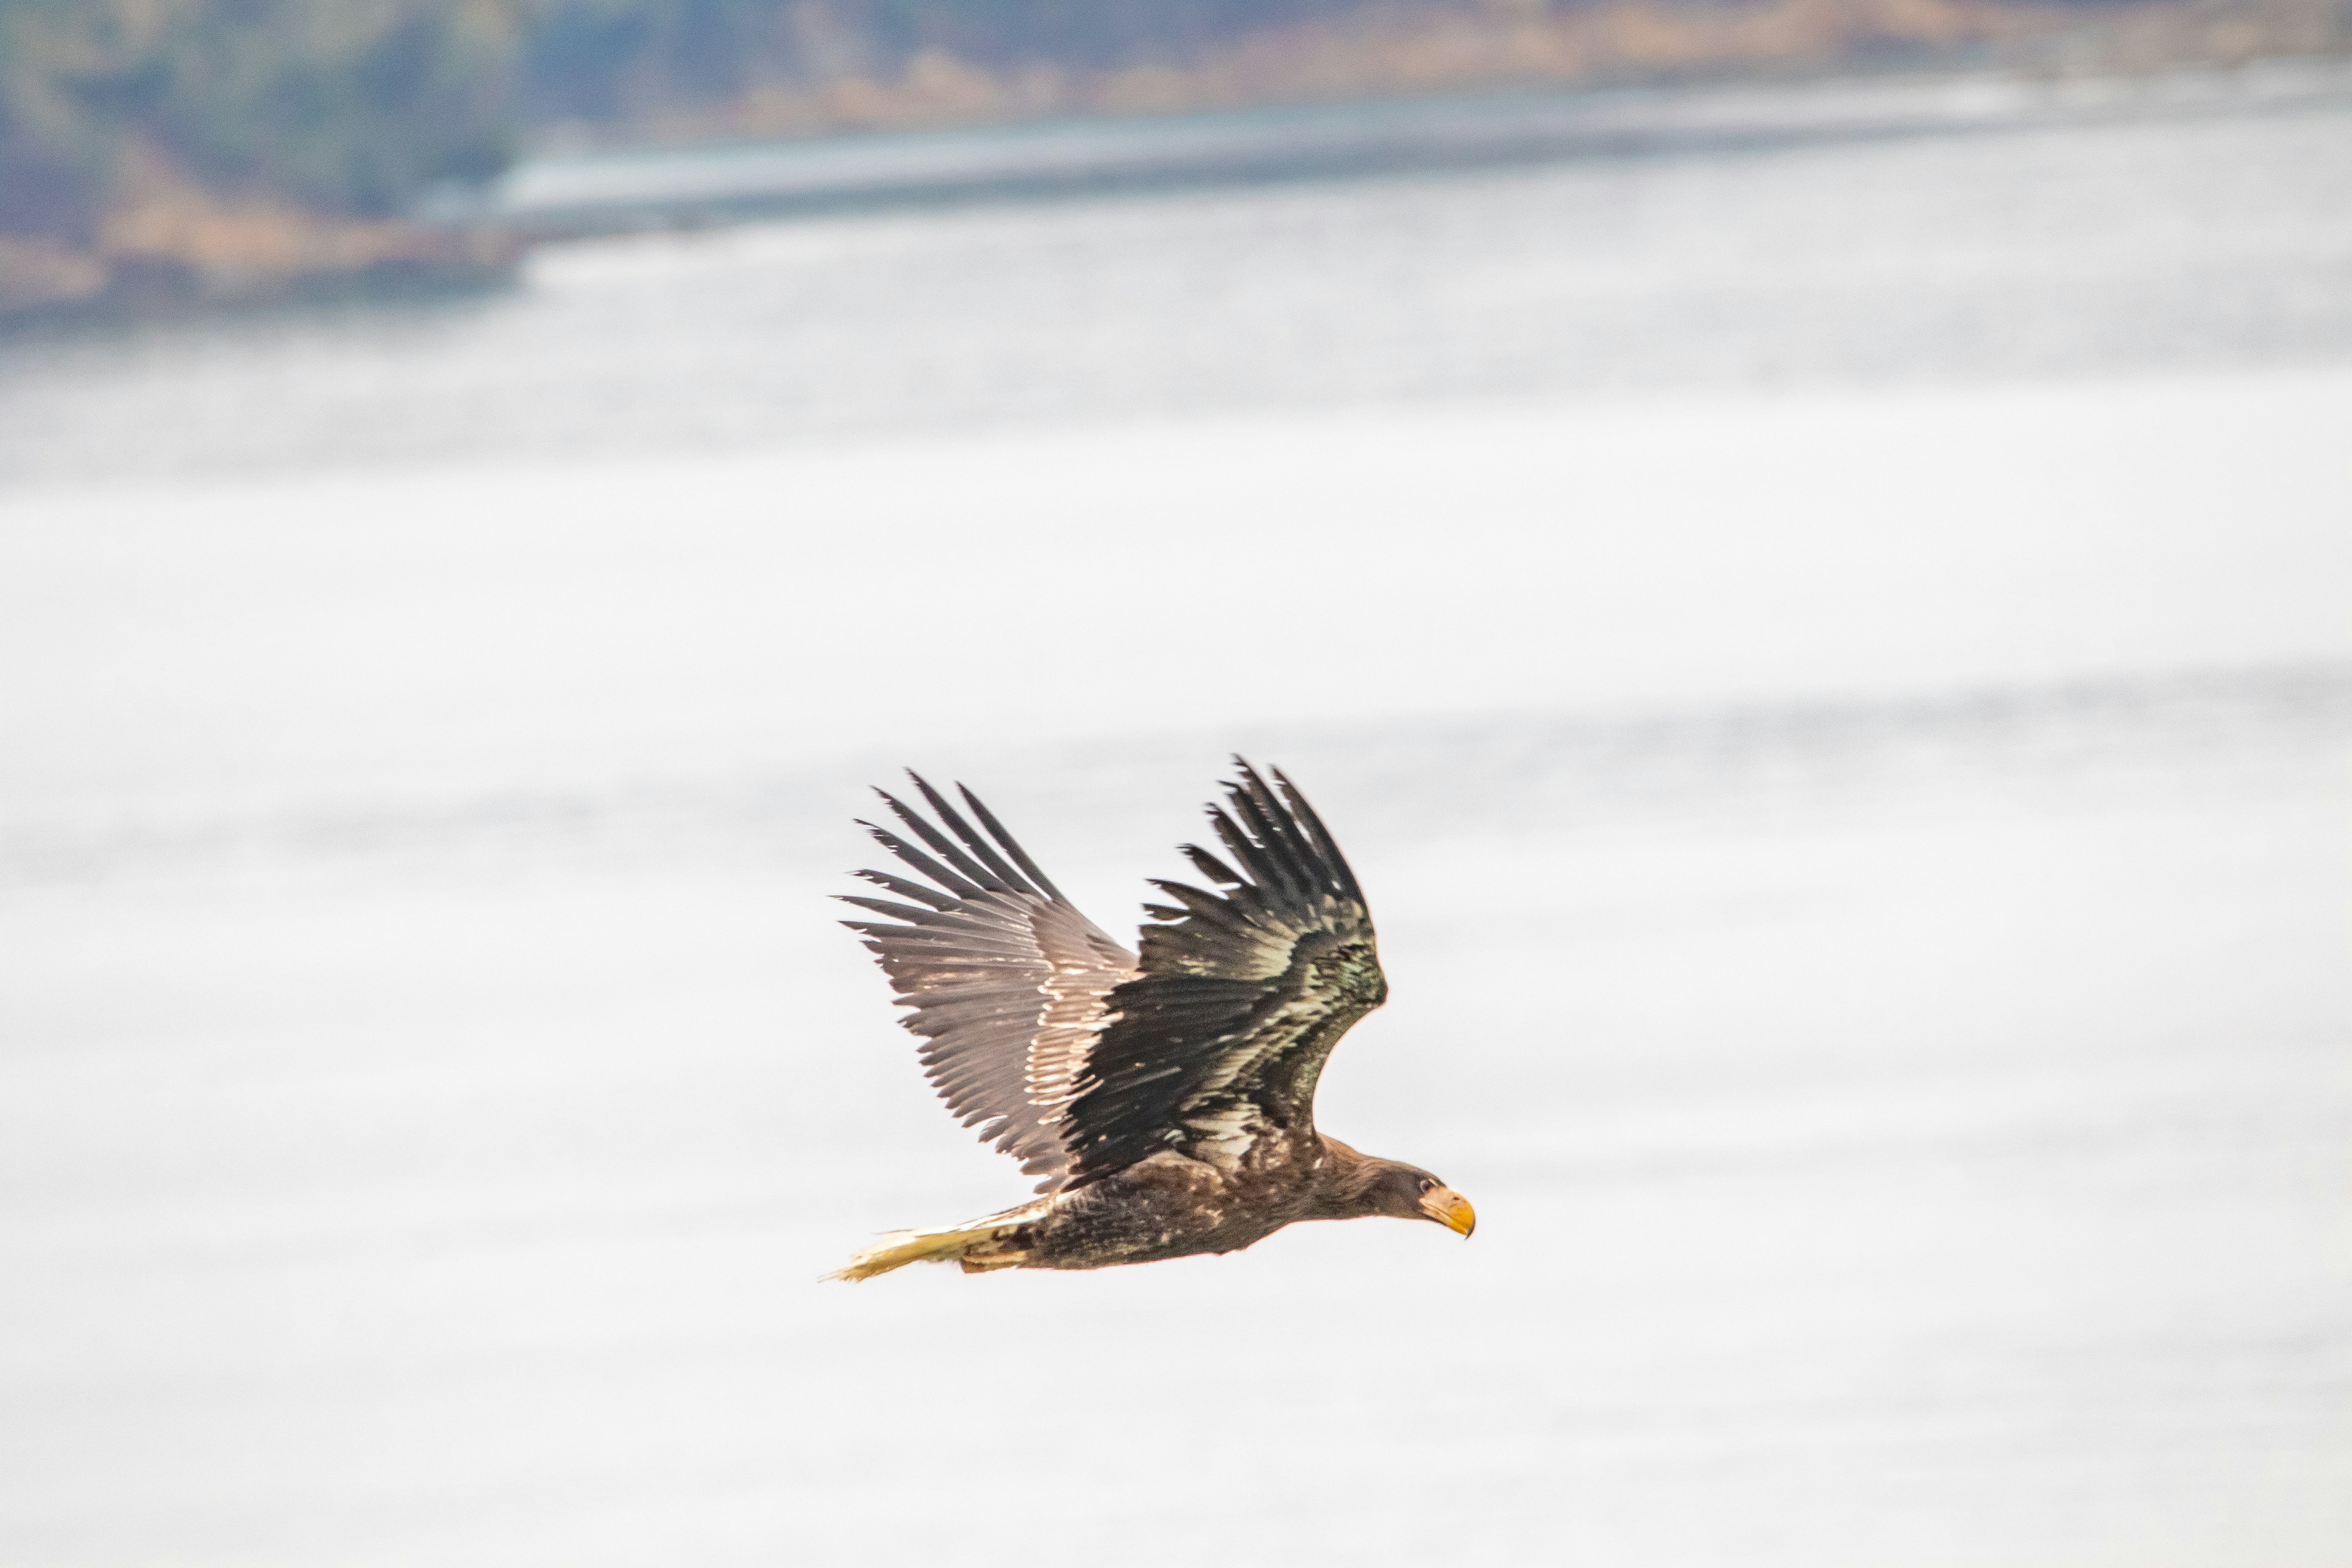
<point x="1817" y="609"/>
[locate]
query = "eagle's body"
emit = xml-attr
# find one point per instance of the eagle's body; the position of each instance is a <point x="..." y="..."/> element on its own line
<point x="1166" y="1098"/>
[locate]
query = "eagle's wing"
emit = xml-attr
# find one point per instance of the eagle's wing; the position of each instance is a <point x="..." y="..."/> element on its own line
<point x="1243" y="995"/>
<point x="1006" y="979"/>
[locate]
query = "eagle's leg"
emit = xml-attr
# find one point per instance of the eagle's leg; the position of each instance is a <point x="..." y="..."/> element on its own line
<point x="1005" y="1252"/>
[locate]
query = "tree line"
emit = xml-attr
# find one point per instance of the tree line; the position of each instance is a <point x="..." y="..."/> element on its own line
<point x="355" y="106"/>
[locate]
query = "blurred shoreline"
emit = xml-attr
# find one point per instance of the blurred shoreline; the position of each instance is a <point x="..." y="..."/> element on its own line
<point x="647" y="187"/>
<point x="174" y="248"/>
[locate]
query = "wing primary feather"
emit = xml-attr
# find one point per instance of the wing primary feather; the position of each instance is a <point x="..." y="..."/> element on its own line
<point x="1216" y="870"/>
<point x="1266" y="816"/>
<point x="906" y="889"/>
<point x="920" y="861"/>
<point x="910" y="913"/>
<point x="1011" y="846"/>
<point x="1208" y="906"/>
<point x="1253" y="857"/>
<point x="940" y="841"/>
<point x="943" y="945"/>
<point x="1325" y="845"/>
<point x="979" y="847"/>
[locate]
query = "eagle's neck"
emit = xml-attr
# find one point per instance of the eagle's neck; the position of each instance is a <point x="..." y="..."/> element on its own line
<point x="1346" y="1185"/>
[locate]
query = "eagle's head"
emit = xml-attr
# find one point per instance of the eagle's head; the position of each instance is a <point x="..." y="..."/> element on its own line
<point x="1360" y="1186"/>
<point x="1412" y="1193"/>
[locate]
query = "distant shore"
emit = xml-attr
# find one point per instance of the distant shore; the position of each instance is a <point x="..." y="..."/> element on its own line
<point x="194" y="256"/>
<point x="174" y="247"/>
<point x="635" y="188"/>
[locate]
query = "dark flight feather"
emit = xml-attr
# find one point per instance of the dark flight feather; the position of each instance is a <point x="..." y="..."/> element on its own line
<point x="1222" y="1037"/>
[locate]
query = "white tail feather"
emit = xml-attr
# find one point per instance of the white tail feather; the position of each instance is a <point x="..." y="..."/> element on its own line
<point x="901" y="1247"/>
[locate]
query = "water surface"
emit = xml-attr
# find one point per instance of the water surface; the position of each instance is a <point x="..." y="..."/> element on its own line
<point x="1829" y="660"/>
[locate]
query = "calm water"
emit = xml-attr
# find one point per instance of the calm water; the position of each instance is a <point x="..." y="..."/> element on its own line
<point x="1829" y="662"/>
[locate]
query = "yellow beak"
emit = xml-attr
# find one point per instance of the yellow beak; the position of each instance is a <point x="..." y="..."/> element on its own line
<point x="1450" y="1209"/>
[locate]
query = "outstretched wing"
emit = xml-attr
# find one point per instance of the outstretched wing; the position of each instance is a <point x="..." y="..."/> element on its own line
<point x="1006" y="979"/>
<point x="1244" y="993"/>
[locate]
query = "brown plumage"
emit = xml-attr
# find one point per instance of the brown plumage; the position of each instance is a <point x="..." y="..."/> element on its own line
<point x="1165" y="1099"/>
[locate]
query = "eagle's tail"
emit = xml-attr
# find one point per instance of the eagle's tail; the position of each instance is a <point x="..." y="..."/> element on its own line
<point x="901" y="1247"/>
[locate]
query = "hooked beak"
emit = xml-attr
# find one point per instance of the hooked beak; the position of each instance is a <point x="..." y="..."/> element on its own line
<point x="1450" y="1209"/>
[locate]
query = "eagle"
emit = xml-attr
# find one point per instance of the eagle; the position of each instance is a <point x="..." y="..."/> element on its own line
<point x="1165" y="1097"/>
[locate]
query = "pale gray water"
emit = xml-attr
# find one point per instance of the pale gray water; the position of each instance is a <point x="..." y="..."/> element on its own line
<point x="1912" y="1134"/>
<point x="1865" y="874"/>
<point x="2209" y="241"/>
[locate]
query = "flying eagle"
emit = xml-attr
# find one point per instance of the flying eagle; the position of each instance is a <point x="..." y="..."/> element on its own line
<point x="1167" y="1099"/>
